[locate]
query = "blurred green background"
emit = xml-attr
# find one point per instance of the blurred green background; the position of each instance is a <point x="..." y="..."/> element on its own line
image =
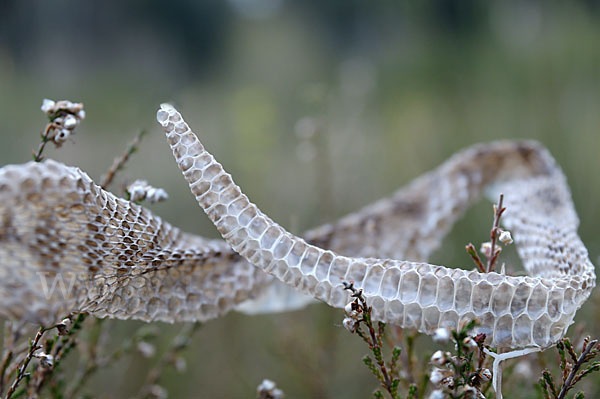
<point x="397" y="89"/>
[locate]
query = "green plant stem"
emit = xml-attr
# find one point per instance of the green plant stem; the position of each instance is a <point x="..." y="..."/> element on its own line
<point x="580" y="361"/>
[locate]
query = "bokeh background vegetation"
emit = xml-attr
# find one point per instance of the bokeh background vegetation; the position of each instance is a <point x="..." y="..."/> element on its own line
<point x="397" y="89"/>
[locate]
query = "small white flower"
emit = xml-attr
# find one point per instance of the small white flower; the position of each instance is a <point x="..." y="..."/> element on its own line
<point x="75" y="108"/>
<point x="268" y="390"/>
<point x="485" y="375"/>
<point x="441" y="335"/>
<point x="506" y="238"/>
<point x="137" y="190"/>
<point x="64" y="326"/>
<point x="180" y="364"/>
<point x="523" y="369"/>
<point x="266" y="385"/>
<point x="81" y="114"/>
<point x="438" y="375"/>
<point x="437" y="394"/>
<point x="439" y="358"/>
<point x="48" y="106"/>
<point x="70" y="122"/>
<point x="158" y="392"/>
<point x="486" y="249"/>
<point x="46" y="359"/>
<point x="61" y="136"/>
<point x="154" y="195"/>
<point x="146" y="349"/>
<point x="448" y="382"/>
<point x="140" y="190"/>
<point x="352" y="310"/>
<point x="470" y="343"/>
<point x="349" y="324"/>
<point x="348" y="308"/>
<point x="62" y="104"/>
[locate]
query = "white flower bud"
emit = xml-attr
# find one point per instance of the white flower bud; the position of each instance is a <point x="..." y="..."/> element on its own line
<point x="439" y="358"/>
<point x="137" y="190"/>
<point x="486" y="249"/>
<point x="438" y="375"/>
<point x="140" y="190"/>
<point x="63" y="104"/>
<point x="441" y="335"/>
<point x="48" y="106"/>
<point x="448" y="382"/>
<point x="81" y="115"/>
<point x="523" y="369"/>
<point x="348" y="308"/>
<point x="64" y="326"/>
<point x="349" y="324"/>
<point x="70" y="122"/>
<point x="506" y="238"/>
<point x="154" y="195"/>
<point x="74" y="108"/>
<point x="268" y="389"/>
<point x="146" y="349"/>
<point x="158" y="392"/>
<point x="437" y="394"/>
<point x="61" y="136"/>
<point x="277" y="393"/>
<point x="485" y="375"/>
<point x="46" y="360"/>
<point x="266" y="385"/>
<point x="470" y="343"/>
<point x="180" y="364"/>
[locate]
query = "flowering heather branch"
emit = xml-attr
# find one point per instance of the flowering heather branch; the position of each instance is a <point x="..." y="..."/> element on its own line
<point x="359" y="313"/>
<point x="64" y="116"/>
<point x="491" y="249"/>
<point x="461" y="375"/>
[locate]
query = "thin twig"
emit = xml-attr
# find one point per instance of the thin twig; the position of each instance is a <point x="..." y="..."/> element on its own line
<point x="498" y="211"/>
<point x="583" y="358"/>
<point x="33" y="347"/>
<point x="119" y="162"/>
<point x="37" y="155"/>
<point x="374" y="339"/>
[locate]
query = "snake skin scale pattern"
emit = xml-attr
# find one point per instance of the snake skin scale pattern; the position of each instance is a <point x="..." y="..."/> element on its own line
<point x="513" y="311"/>
<point x="66" y="245"/>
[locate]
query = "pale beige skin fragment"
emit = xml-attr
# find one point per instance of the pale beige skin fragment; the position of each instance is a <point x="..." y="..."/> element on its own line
<point x="67" y="246"/>
<point x="514" y="312"/>
<point x="114" y="258"/>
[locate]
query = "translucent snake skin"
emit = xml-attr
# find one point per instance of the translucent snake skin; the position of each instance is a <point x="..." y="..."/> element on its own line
<point x="66" y="245"/>
<point x="525" y="311"/>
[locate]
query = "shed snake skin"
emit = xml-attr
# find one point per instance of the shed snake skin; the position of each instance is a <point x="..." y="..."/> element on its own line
<point x="116" y="259"/>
